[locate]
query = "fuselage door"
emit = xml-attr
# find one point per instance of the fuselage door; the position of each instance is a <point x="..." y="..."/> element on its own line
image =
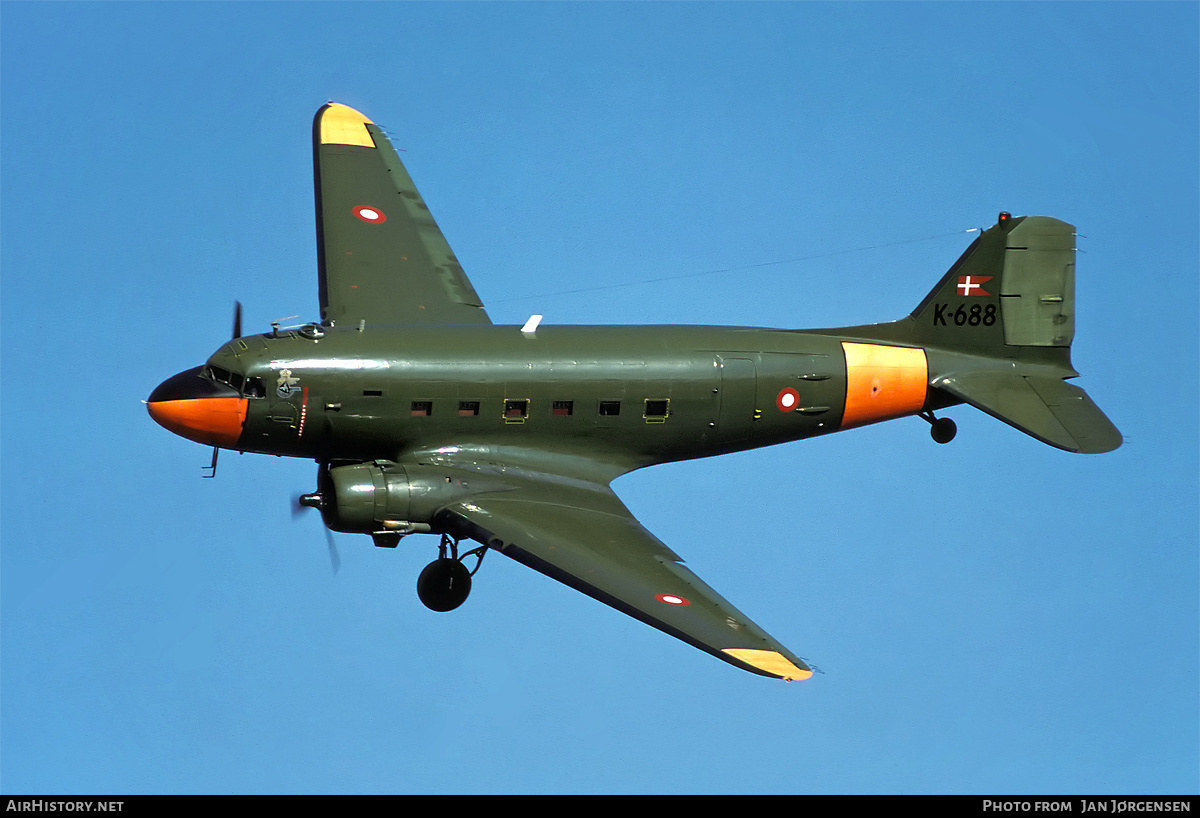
<point x="739" y="383"/>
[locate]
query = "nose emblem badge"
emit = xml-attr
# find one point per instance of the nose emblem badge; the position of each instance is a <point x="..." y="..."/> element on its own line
<point x="286" y="385"/>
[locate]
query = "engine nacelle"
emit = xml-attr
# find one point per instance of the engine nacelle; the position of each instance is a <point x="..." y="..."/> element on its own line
<point x="365" y="498"/>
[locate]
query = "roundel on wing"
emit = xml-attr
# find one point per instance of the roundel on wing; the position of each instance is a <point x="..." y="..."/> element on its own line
<point x="787" y="400"/>
<point x="671" y="599"/>
<point x="371" y="215"/>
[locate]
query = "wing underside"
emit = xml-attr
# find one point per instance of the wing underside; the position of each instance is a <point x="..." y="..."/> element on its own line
<point x="584" y="537"/>
<point x="381" y="257"/>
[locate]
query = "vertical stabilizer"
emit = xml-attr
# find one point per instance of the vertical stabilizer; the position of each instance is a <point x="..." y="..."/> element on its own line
<point x="1013" y="287"/>
<point x="997" y="330"/>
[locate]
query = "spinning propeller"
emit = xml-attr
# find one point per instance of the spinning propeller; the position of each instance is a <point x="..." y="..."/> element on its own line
<point x="301" y="502"/>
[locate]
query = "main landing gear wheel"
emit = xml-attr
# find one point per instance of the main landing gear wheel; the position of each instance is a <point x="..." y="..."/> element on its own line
<point x="445" y="583"/>
<point x="942" y="430"/>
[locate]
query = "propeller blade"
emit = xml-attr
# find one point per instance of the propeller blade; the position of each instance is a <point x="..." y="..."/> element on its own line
<point x="335" y="559"/>
<point x="237" y="319"/>
<point x="298" y="509"/>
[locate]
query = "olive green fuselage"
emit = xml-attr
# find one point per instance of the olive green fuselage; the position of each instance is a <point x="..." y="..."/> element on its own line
<point x="634" y="395"/>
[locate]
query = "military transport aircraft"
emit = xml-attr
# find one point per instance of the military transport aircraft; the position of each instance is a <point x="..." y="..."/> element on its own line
<point x="425" y="418"/>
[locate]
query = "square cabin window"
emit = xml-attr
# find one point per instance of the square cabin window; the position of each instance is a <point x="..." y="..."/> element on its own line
<point x="515" y="411"/>
<point x="422" y="408"/>
<point x="563" y="408"/>
<point x="468" y="408"/>
<point x="656" y="408"/>
<point x="608" y="408"/>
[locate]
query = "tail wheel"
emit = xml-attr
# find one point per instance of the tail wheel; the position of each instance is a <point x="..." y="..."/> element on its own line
<point x="943" y="430"/>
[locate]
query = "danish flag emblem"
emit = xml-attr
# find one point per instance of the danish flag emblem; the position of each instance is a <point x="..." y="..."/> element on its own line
<point x="973" y="285"/>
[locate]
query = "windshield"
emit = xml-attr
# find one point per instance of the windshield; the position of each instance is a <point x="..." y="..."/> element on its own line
<point x="249" y="387"/>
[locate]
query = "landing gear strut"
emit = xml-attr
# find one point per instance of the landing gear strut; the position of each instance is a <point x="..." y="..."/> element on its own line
<point x="445" y="582"/>
<point x="941" y="430"/>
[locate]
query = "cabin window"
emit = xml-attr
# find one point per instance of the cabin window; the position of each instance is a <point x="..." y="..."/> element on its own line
<point x="608" y="408"/>
<point x="421" y="408"/>
<point x="515" y="411"/>
<point x="468" y="408"/>
<point x="657" y="409"/>
<point x="372" y="393"/>
<point x="563" y="407"/>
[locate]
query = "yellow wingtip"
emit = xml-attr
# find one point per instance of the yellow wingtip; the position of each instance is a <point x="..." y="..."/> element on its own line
<point x="770" y="661"/>
<point x="342" y="125"/>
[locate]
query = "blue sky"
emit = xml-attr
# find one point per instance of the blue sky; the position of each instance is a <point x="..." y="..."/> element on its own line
<point x="992" y="616"/>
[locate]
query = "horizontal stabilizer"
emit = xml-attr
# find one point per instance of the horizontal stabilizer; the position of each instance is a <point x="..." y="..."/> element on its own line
<point x="1044" y="407"/>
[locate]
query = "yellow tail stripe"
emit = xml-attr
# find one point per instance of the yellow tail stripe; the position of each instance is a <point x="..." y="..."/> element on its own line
<point x="883" y="382"/>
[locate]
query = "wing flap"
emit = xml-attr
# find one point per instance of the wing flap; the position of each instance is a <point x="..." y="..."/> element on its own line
<point x="589" y="541"/>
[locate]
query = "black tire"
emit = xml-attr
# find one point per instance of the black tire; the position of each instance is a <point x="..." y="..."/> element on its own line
<point x="943" y="430"/>
<point x="444" y="585"/>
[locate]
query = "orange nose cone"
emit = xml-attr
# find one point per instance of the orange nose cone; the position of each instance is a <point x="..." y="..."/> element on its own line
<point x="212" y="421"/>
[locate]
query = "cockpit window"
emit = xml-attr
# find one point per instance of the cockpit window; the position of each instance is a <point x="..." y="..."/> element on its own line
<point x="250" y="387"/>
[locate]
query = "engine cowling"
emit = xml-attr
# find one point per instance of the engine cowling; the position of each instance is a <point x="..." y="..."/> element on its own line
<point x="365" y="498"/>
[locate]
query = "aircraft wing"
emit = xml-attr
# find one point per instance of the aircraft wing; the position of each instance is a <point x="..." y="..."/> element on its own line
<point x="583" y="536"/>
<point x="381" y="257"/>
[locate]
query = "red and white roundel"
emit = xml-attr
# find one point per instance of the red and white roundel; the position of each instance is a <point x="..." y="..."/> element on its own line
<point x="787" y="400"/>
<point x="370" y="214"/>
<point x="671" y="599"/>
